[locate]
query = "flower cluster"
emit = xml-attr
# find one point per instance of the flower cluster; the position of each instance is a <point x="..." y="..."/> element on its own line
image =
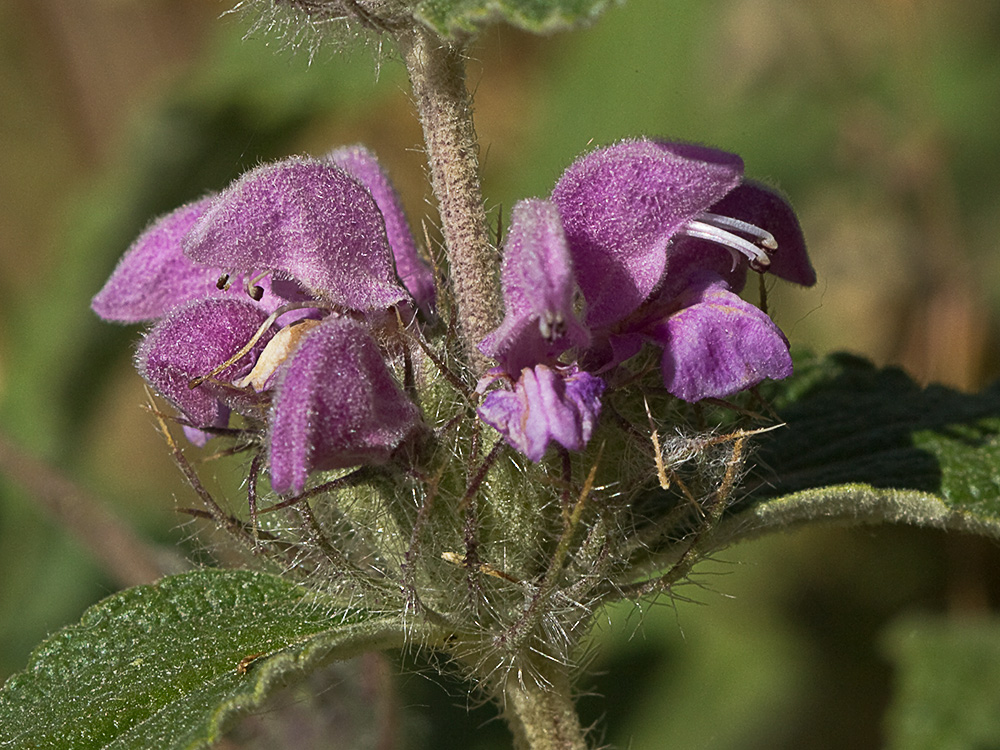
<point x="641" y="241"/>
<point x="268" y="299"/>
<point x="276" y="298"/>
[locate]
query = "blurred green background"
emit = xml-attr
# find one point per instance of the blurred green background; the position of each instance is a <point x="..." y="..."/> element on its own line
<point x="879" y="118"/>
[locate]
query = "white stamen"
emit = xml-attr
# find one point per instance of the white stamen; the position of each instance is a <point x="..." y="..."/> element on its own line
<point x="721" y="230"/>
<point x="764" y="238"/>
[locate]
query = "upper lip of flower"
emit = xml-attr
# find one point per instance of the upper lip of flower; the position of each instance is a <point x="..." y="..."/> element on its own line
<point x="305" y="220"/>
<point x="331" y="229"/>
<point x="538" y="284"/>
<point x="628" y="225"/>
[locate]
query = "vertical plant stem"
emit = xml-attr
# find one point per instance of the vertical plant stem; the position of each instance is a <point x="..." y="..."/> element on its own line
<point x="437" y="75"/>
<point x="543" y="717"/>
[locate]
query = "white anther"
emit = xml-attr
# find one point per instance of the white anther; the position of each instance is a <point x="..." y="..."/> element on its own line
<point x="551" y="325"/>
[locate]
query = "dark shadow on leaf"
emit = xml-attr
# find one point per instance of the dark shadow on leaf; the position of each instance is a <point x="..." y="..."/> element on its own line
<point x="850" y="422"/>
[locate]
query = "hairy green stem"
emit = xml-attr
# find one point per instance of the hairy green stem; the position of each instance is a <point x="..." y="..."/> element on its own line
<point x="437" y="75"/>
<point x="543" y="717"/>
<point x="539" y="708"/>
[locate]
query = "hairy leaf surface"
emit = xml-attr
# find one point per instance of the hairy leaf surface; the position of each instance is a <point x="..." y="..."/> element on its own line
<point x="864" y="445"/>
<point x="451" y="17"/>
<point x="169" y="665"/>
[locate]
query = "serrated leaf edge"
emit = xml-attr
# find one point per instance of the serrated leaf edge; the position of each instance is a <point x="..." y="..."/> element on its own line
<point x="296" y="661"/>
<point x="288" y="662"/>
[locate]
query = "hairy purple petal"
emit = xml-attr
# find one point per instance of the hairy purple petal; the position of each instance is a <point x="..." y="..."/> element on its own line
<point x="546" y="404"/>
<point x="688" y="257"/>
<point x="620" y="207"/>
<point x="190" y="342"/>
<point x="337" y="405"/>
<point x="717" y="344"/>
<point x="538" y="286"/>
<point x="304" y="220"/>
<point x="154" y="276"/>
<point x="412" y="270"/>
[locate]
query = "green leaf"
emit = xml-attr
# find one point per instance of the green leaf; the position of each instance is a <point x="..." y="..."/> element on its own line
<point x="455" y="17"/>
<point x="171" y="664"/>
<point x="865" y="445"/>
<point x="947" y="684"/>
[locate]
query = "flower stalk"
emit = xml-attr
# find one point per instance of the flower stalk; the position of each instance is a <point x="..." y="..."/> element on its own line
<point x="437" y="75"/>
<point x="543" y="717"/>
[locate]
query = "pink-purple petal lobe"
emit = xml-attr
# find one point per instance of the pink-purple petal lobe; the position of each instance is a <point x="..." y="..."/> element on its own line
<point x="621" y="205"/>
<point x="538" y="286"/>
<point x="547" y="404"/>
<point x="305" y="220"/>
<point x="717" y="344"/>
<point x="190" y="342"/>
<point x="336" y="406"/>
<point x="154" y="276"/>
<point x="411" y="268"/>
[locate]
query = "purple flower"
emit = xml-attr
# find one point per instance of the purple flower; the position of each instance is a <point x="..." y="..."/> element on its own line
<point x="548" y="401"/>
<point x="641" y="241"/>
<point x="263" y="298"/>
